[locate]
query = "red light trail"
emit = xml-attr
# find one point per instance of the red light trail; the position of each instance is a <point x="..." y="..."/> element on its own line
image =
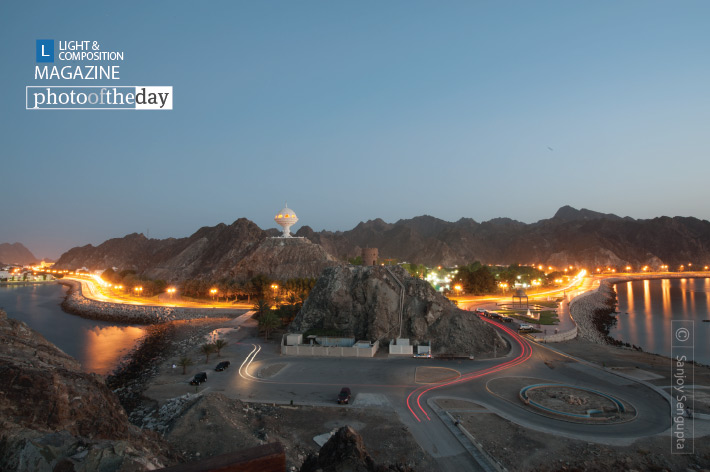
<point x="526" y="352"/>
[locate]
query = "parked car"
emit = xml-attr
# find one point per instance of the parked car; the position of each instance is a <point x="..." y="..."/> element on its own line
<point x="481" y="312"/>
<point x="344" y="396"/>
<point x="494" y="316"/>
<point x="199" y="378"/>
<point x="506" y="319"/>
<point x="222" y="366"/>
<point x="525" y="328"/>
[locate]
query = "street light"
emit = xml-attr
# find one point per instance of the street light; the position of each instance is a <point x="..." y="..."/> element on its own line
<point x="458" y="289"/>
<point x="139" y="290"/>
<point x="171" y="291"/>
<point x="213" y="292"/>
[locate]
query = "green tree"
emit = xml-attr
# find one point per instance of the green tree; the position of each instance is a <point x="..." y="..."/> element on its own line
<point x="475" y="279"/>
<point x="262" y="285"/>
<point x="261" y="306"/>
<point x="185" y="362"/>
<point x="356" y="260"/>
<point x="207" y="349"/>
<point x="268" y="322"/>
<point x="219" y="345"/>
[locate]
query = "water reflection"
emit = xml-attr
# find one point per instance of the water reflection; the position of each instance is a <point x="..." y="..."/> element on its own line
<point x="666" y="291"/>
<point x="97" y="345"/>
<point x="105" y="345"/>
<point x="655" y="304"/>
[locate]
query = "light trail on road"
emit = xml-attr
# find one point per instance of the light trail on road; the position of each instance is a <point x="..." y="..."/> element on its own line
<point x="248" y="360"/>
<point x="525" y="354"/>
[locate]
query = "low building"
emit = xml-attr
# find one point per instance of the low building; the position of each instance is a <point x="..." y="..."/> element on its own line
<point x="326" y="346"/>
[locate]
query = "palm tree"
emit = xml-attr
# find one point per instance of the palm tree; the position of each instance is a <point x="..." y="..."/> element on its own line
<point x="219" y="345"/>
<point x="292" y="299"/>
<point x="268" y="322"/>
<point x="207" y="349"/>
<point x="184" y="362"/>
<point x="261" y="306"/>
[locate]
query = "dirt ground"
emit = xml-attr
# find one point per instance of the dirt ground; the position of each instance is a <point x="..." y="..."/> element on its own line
<point x="211" y="424"/>
<point x="216" y="424"/>
<point x="522" y="449"/>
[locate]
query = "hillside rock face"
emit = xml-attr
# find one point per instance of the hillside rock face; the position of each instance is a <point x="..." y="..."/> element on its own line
<point x="363" y="302"/>
<point x="345" y="452"/>
<point x="51" y="413"/>
<point x="237" y="250"/>
<point x="582" y="238"/>
<point x="285" y="258"/>
<point x="572" y="237"/>
<point x="16" y="253"/>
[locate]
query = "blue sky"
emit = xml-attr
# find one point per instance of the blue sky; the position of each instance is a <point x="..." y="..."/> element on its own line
<point x="358" y="110"/>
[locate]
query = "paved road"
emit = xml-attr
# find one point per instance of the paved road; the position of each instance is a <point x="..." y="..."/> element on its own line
<point x="91" y="289"/>
<point x="390" y="383"/>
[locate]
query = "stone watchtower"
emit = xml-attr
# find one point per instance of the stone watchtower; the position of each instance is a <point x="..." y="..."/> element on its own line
<point x="369" y="256"/>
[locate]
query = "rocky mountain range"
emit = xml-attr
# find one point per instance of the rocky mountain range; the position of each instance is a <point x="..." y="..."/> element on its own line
<point x="240" y="250"/>
<point x="16" y="253"/>
<point x="571" y="237"/>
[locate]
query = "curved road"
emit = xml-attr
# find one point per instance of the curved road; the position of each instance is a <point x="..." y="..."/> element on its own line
<point x="389" y="384"/>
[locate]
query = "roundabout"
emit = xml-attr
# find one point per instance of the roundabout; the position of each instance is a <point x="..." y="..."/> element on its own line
<point x="578" y="404"/>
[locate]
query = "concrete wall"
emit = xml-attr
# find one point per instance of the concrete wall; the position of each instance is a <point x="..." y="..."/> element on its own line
<point x="401" y="346"/>
<point x="323" y="351"/>
<point x="294" y="339"/>
<point x="556" y="338"/>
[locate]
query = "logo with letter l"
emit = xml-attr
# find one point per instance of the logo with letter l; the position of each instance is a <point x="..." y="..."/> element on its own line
<point x="45" y="50"/>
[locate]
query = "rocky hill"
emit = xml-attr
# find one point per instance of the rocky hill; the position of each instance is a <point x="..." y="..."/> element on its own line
<point x="235" y="250"/>
<point x="363" y="302"/>
<point x="53" y="416"/>
<point x="571" y="237"/>
<point x="285" y="258"/>
<point x="16" y="254"/>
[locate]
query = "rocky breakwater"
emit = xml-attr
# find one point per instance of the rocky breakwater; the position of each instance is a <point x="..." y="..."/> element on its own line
<point x="592" y="311"/>
<point x="53" y="416"/>
<point x="77" y="304"/>
<point x="363" y="302"/>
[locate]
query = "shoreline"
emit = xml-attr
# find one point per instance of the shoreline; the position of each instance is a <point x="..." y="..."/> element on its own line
<point x="76" y="303"/>
<point x="133" y="373"/>
<point x="593" y="310"/>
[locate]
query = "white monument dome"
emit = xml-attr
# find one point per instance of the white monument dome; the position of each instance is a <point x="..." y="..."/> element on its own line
<point x="286" y="218"/>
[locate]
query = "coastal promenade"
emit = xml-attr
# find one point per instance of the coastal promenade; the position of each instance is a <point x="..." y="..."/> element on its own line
<point x="580" y="300"/>
<point x="86" y="299"/>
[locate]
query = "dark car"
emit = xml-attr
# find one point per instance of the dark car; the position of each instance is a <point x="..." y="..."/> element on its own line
<point x="199" y="378"/>
<point x="481" y="312"/>
<point x="494" y="316"/>
<point x="222" y="366"/>
<point x="344" y="396"/>
<point x="507" y="319"/>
